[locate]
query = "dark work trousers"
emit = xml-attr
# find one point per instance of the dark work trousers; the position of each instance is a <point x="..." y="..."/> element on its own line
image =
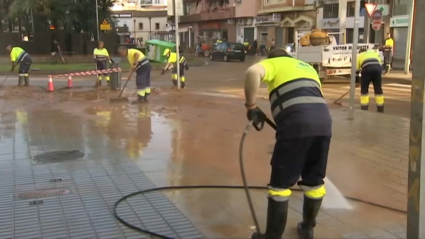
<point x="101" y="65"/>
<point x="25" y="65"/>
<point x="306" y="157"/>
<point x="182" y="77"/>
<point x="143" y="76"/>
<point x="371" y="73"/>
<point x="388" y="59"/>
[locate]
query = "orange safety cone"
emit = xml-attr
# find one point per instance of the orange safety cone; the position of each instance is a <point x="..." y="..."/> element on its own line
<point x="69" y="82"/>
<point x="50" y="86"/>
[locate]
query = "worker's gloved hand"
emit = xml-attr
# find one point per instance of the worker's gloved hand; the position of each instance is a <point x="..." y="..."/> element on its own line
<point x="163" y="72"/>
<point x="256" y="115"/>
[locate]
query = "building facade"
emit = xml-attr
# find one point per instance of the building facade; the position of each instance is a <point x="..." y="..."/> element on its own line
<point x="399" y="24"/>
<point x="279" y="21"/>
<point x="143" y="24"/>
<point x="207" y="20"/>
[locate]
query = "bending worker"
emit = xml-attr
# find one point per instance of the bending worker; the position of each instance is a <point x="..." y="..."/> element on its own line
<point x="303" y="137"/>
<point x="141" y="65"/>
<point x="19" y="56"/>
<point x="388" y="53"/>
<point x="101" y="57"/>
<point x="370" y="63"/>
<point x="172" y="64"/>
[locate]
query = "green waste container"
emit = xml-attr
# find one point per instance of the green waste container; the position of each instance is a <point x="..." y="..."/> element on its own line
<point x="155" y="48"/>
<point x="115" y="77"/>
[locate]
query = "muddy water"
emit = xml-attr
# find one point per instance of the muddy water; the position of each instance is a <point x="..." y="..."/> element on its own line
<point x="178" y="139"/>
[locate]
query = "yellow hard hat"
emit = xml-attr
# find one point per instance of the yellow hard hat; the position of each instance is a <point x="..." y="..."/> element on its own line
<point x="166" y="51"/>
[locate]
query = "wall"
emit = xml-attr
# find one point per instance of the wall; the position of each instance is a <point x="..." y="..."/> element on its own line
<point x="247" y="8"/>
<point x="285" y="3"/>
<point x="136" y="32"/>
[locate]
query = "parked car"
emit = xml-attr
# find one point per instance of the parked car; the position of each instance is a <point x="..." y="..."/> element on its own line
<point x="228" y="51"/>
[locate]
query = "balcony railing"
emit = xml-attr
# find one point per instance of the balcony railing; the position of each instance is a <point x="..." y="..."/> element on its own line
<point x="208" y="15"/>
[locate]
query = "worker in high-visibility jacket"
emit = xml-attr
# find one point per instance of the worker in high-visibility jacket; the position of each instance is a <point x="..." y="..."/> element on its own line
<point x="19" y="56"/>
<point x="246" y="46"/>
<point x="303" y="136"/>
<point x="370" y="65"/>
<point x="101" y="57"/>
<point x="172" y="64"/>
<point x="388" y="51"/>
<point x="141" y="65"/>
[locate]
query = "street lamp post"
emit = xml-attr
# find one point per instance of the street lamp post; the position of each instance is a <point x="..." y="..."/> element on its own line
<point x="97" y="21"/>
<point x="150" y="28"/>
<point x="354" y="59"/>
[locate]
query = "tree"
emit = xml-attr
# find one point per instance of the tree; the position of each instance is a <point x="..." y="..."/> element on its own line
<point x="76" y="15"/>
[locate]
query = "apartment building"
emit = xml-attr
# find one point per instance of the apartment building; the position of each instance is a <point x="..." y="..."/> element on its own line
<point x="143" y="24"/>
<point x="207" y="20"/>
<point x="278" y="21"/>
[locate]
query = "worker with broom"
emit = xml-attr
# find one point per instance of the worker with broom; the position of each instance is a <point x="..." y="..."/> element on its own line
<point x="19" y="56"/>
<point x="141" y="65"/>
<point x="172" y="64"/>
<point x="101" y="58"/>
<point x="303" y="136"/>
<point x="370" y="65"/>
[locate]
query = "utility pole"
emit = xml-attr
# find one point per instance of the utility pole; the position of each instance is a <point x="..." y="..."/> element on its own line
<point x="97" y="21"/>
<point x="416" y="177"/>
<point x="150" y="28"/>
<point x="354" y="60"/>
<point x="366" y="27"/>
<point x="176" y="29"/>
<point x="409" y="39"/>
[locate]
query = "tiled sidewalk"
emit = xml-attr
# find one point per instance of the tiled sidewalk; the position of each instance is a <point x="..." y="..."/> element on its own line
<point x="95" y="183"/>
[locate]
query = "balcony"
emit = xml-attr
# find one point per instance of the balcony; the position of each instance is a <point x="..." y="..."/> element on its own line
<point x="191" y="18"/>
<point x="210" y="15"/>
<point x="218" y="14"/>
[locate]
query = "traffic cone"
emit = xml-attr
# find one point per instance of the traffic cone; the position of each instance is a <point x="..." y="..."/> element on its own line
<point x="50" y="86"/>
<point x="69" y="82"/>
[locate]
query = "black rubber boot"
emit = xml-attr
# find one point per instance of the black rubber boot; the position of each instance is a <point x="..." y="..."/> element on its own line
<point x="140" y="100"/>
<point x="380" y="109"/>
<point x="21" y="80"/>
<point x="27" y="80"/>
<point x="183" y="85"/>
<point x="311" y="208"/>
<point x="364" y="107"/>
<point x="277" y="213"/>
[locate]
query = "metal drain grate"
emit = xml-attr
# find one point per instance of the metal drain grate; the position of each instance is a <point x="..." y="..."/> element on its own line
<point x="43" y="193"/>
<point x="58" y="156"/>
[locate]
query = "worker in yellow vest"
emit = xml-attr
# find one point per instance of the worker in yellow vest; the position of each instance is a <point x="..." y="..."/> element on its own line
<point x="369" y="63"/>
<point x="101" y="57"/>
<point x="303" y="136"/>
<point x="141" y="65"/>
<point x="19" y="56"/>
<point x="172" y="63"/>
<point x="388" y="53"/>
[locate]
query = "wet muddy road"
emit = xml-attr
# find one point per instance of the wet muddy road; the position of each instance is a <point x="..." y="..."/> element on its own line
<point x="190" y="137"/>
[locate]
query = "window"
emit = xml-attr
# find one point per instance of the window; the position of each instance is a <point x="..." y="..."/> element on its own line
<point x="351" y="7"/>
<point x="350" y="35"/>
<point x="186" y="8"/>
<point x="330" y="10"/>
<point x="140" y="25"/>
<point x="156" y="26"/>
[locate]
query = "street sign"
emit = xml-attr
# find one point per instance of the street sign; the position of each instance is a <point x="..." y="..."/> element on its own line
<point x="377" y="15"/>
<point x="376" y="25"/>
<point x="370" y="8"/>
<point x="105" y="26"/>
<point x="385" y="9"/>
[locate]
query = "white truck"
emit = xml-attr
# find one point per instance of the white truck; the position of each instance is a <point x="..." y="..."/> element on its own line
<point x="328" y="60"/>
